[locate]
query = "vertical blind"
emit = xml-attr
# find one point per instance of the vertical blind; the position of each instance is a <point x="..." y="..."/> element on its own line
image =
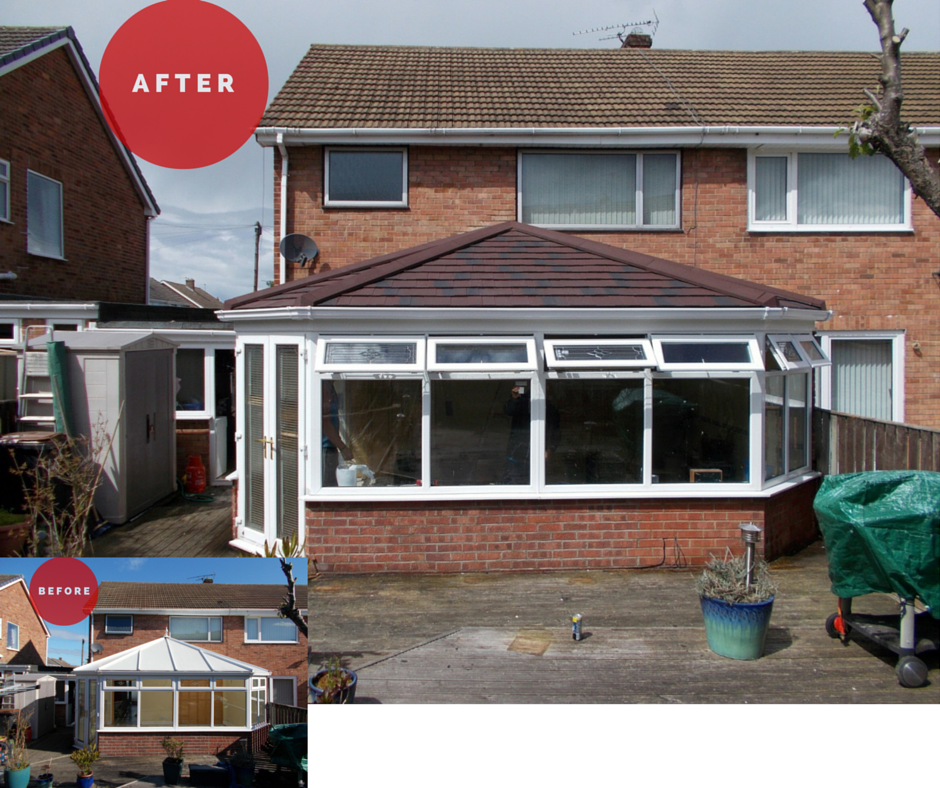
<point x="288" y="492"/>
<point x="254" y="436"/>
<point x="770" y="197"/>
<point x="861" y="377"/>
<point x="43" y="215"/>
<point x="833" y="188"/>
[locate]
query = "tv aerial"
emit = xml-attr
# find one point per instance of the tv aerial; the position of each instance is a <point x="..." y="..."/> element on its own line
<point x="298" y="248"/>
<point x="633" y="27"/>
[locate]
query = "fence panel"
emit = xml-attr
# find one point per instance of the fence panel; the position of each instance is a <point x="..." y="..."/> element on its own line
<point x="851" y="444"/>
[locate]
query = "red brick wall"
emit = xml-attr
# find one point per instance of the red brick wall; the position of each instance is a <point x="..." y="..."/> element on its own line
<point x="192" y="437"/>
<point x="48" y="125"/>
<point x="148" y="745"/>
<point x="538" y="535"/>
<point x="872" y="282"/>
<point x="281" y="659"/>
<point x="15" y="608"/>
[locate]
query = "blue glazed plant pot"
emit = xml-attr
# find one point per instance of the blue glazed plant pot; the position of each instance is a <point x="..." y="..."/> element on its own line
<point x="85" y="781"/>
<point x="347" y="695"/>
<point x="737" y="631"/>
<point x="18" y="779"/>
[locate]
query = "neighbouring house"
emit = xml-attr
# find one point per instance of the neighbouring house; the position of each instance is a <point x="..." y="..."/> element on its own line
<point x="726" y="161"/>
<point x="23" y="634"/>
<point x="521" y="398"/>
<point x="24" y="639"/>
<point x="74" y="206"/>
<point x="164" y="293"/>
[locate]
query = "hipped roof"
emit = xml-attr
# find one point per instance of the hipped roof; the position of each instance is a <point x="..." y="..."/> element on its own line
<point x="341" y="86"/>
<point x="513" y="265"/>
<point x="168" y="656"/>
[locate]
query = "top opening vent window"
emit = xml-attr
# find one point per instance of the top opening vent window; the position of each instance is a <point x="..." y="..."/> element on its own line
<point x="347" y="354"/>
<point x="797" y="352"/>
<point x="366" y="178"/>
<point x="481" y="354"/>
<point x="707" y="353"/>
<point x="599" y="353"/>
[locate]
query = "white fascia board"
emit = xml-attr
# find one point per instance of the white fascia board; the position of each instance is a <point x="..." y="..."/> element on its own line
<point x="580" y="322"/>
<point x="39" y="309"/>
<point x="663" y="136"/>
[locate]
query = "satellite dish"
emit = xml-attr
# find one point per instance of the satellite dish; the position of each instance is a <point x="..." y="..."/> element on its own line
<point x="96" y="648"/>
<point x="297" y="248"/>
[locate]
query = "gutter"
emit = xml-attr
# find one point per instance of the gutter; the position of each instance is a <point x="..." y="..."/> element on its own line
<point x="717" y="136"/>
<point x="282" y="147"/>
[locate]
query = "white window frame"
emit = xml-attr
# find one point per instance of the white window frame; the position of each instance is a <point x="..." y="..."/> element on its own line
<point x="329" y="203"/>
<point x="61" y="252"/>
<point x="17" y="332"/>
<point x="323" y="366"/>
<point x="791" y="225"/>
<point x="897" y="339"/>
<point x="259" y="640"/>
<point x="109" y="631"/>
<point x="293" y="681"/>
<point x="208" y="629"/>
<point x="5" y="189"/>
<point x="796" y="341"/>
<point x="756" y="363"/>
<point x="530" y="363"/>
<point x="796" y="472"/>
<point x="638" y="187"/>
<point x="555" y="363"/>
<point x="16" y="631"/>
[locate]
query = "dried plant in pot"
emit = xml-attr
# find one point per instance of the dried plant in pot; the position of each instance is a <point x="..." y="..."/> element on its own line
<point x="45" y="779"/>
<point x="17" y="760"/>
<point x="736" y="613"/>
<point x="334" y="684"/>
<point x="173" y="763"/>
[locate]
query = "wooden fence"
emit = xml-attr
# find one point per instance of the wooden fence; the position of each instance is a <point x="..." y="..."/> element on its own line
<point x="279" y="714"/>
<point x="850" y="444"/>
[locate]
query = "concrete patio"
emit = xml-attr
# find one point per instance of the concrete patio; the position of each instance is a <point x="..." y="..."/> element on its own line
<point x="506" y="638"/>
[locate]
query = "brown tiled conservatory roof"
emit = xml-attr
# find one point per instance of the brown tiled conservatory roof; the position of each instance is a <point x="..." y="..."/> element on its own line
<point x="114" y="595"/>
<point x="444" y="87"/>
<point x="513" y="265"/>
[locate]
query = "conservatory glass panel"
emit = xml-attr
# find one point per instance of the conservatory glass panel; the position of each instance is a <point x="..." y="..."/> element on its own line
<point x="195" y="709"/>
<point x="342" y="353"/>
<point x="594" y="431"/>
<point x="156" y="709"/>
<point x="706" y="352"/>
<point x="701" y="430"/>
<point x="797" y="418"/>
<point x="191" y="374"/>
<point x="481" y="353"/>
<point x="773" y="427"/>
<point x="120" y="709"/>
<point x="480" y="432"/>
<point x="231" y="709"/>
<point x="379" y="421"/>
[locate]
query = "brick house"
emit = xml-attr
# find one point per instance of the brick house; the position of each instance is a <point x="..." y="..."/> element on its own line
<point x="74" y="206"/>
<point x="194" y="635"/>
<point x="494" y="213"/>
<point x="23" y="634"/>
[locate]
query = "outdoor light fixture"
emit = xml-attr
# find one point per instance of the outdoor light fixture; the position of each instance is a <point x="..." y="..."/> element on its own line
<point x="750" y="535"/>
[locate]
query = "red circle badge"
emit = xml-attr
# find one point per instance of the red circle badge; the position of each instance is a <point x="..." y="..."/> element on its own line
<point x="183" y="83"/>
<point x="64" y="590"/>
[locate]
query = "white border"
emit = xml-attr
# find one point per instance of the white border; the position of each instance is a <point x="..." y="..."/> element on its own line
<point x="328" y="203"/>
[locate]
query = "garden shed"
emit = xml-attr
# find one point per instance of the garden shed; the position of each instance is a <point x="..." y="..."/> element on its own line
<point x="130" y="701"/>
<point x="519" y="398"/>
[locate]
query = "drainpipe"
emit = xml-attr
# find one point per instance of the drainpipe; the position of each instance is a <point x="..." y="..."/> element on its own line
<point x="283" y="151"/>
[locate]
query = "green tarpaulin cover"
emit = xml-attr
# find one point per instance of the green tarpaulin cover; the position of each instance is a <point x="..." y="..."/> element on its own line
<point x="882" y="533"/>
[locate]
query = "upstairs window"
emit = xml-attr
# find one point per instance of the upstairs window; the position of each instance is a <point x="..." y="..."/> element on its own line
<point x="599" y="190"/>
<point x="196" y="629"/>
<point x="4" y="190"/>
<point x="270" y="630"/>
<point x="43" y="216"/>
<point x="13" y="636"/>
<point x="826" y="191"/>
<point x="369" y="178"/>
<point x="119" y="625"/>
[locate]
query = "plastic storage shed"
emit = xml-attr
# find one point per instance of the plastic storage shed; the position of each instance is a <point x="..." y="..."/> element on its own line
<point x="127" y="381"/>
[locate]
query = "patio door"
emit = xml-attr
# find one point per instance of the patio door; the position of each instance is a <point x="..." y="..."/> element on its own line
<point x="271" y="444"/>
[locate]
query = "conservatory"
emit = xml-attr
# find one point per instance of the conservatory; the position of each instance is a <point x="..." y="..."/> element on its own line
<point x="168" y="687"/>
<point x="476" y="402"/>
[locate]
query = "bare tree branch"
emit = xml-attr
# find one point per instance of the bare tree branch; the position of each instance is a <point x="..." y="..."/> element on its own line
<point x="289" y="608"/>
<point x="880" y="128"/>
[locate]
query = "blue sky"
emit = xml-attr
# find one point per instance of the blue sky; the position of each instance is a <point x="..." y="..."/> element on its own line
<point x="66" y="642"/>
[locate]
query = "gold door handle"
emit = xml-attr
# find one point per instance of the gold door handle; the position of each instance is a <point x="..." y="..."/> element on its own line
<point x="265" y="442"/>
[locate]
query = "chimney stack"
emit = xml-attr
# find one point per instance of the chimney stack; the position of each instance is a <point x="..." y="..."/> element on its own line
<point x="207" y="580"/>
<point x="191" y="284"/>
<point x="637" y="41"/>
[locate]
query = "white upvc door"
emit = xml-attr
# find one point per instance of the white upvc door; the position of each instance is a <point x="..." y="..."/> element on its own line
<point x="271" y="445"/>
